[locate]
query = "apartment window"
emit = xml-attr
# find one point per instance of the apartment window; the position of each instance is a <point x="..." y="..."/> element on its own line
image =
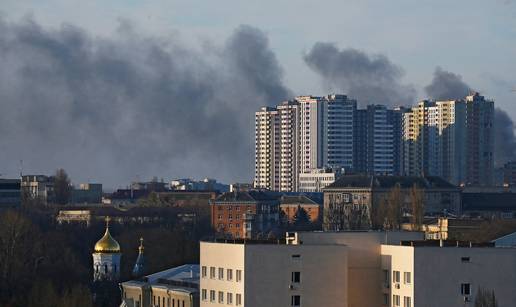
<point x="386" y="276"/>
<point x="295" y="300"/>
<point x="407" y="278"/>
<point x="212" y="295"/>
<point x="212" y="272"/>
<point x="407" y="302"/>
<point x="204" y="271"/>
<point x="465" y="289"/>
<point x="221" y="297"/>
<point x="395" y="300"/>
<point x="296" y="277"/>
<point x="221" y="273"/>
<point x="386" y="299"/>
<point x="204" y="294"/>
<point x="464" y="259"/>
<point x="238" y="298"/>
<point x="229" y="274"/>
<point x="229" y="298"/>
<point x="395" y="276"/>
<point x="238" y="275"/>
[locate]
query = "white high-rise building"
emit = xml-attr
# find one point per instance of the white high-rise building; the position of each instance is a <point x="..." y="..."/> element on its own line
<point x="266" y="149"/>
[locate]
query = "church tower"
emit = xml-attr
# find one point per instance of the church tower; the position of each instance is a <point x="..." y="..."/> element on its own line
<point x="139" y="266"/>
<point x="106" y="258"/>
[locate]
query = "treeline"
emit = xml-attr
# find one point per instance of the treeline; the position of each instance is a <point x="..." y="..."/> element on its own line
<point x="44" y="264"/>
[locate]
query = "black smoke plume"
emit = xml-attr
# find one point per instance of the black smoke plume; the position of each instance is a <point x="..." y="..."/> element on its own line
<point x="369" y="79"/>
<point x="447" y="85"/>
<point x="110" y="109"/>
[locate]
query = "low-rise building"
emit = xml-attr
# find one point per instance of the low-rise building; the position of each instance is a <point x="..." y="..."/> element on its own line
<point x="508" y="240"/>
<point x="10" y="193"/>
<point x="38" y="187"/>
<point x="489" y="205"/>
<point x="245" y="214"/>
<point x="354" y="269"/>
<point x="289" y="204"/>
<point x="175" y="287"/>
<point x="357" y="197"/>
<point x="445" y="228"/>
<point x="87" y="193"/>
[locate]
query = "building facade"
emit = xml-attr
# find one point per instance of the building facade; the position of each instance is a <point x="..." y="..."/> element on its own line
<point x="289" y="205"/>
<point x="317" y="179"/>
<point x="350" y="202"/>
<point x="10" y="193"/>
<point x="245" y="214"/>
<point x="175" y="287"/>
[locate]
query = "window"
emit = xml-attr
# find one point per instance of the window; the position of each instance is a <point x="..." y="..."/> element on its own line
<point x="221" y="273"/>
<point x="465" y="259"/>
<point x="386" y="299"/>
<point x="465" y="289"/>
<point x="407" y="278"/>
<point x="395" y="300"/>
<point x="229" y="298"/>
<point x="229" y="274"/>
<point x="296" y="277"/>
<point x="212" y="272"/>
<point x="295" y="300"/>
<point x="296" y="256"/>
<point x="212" y="295"/>
<point x="395" y="276"/>
<point x="221" y="297"/>
<point x="238" y="275"/>
<point x="238" y="299"/>
<point x="386" y="276"/>
<point x="204" y="294"/>
<point x="407" y="302"/>
<point x="203" y="271"/>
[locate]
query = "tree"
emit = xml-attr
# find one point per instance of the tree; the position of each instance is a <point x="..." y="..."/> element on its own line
<point x="418" y="207"/>
<point x="62" y="187"/>
<point x="485" y="298"/>
<point x="301" y="219"/>
<point x="393" y="209"/>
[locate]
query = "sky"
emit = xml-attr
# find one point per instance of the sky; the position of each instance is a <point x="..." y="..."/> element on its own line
<point x="220" y="49"/>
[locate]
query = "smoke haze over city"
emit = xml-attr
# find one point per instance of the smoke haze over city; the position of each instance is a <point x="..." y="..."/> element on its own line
<point x="130" y="105"/>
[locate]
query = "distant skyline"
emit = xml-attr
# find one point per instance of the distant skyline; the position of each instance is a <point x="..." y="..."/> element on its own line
<point x="206" y="45"/>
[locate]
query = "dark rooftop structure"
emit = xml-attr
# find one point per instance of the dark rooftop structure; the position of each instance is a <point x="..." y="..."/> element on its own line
<point x="249" y="196"/>
<point x="389" y="182"/>
<point x="505" y="201"/>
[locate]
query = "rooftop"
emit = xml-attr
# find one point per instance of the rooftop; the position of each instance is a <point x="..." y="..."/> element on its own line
<point x="184" y="276"/>
<point x="445" y="243"/>
<point x="248" y="196"/>
<point x="504" y="201"/>
<point x="387" y="182"/>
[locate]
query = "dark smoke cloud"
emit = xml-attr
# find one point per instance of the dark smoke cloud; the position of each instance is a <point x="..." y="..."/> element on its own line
<point x="369" y="79"/>
<point x="111" y="109"/>
<point x="447" y="85"/>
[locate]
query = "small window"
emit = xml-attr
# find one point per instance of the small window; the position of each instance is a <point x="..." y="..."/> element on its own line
<point x="296" y="256"/>
<point x="229" y="274"/>
<point x="407" y="277"/>
<point x="395" y="300"/>
<point x="296" y="277"/>
<point x="395" y="276"/>
<point x="204" y="271"/>
<point x="465" y="259"/>
<point x="229" y="298"/>
<point x="238" y="299"/>
<point x="295" y="300"/>
<point x="221" y="297"/>
<point x="238" y="275"/>
<point x="386" y="299"/>
<point x="407" y="302"/>
<point x="212" y="295"/>
<point x="221" y="273"/>
<point x="204" y="295"/>
<point x="386" y="276"/>
<point x="212" y="272"/>
<point x="465" y="289"/>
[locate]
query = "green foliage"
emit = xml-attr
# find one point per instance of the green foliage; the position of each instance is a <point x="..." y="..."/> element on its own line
<point x="301" y="219"/>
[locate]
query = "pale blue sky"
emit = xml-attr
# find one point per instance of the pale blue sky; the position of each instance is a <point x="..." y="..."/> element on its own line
<point x="474" y="38"/>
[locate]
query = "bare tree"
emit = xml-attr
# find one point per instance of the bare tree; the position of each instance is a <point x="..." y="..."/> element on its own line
<point x="62" y="187"/>
<point x="485" y="298"/>
<point x="393" y="213"/>
<point x="417" y="206"/>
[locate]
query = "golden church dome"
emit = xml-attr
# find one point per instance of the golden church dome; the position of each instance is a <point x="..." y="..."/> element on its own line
<point x="107" y="244"/>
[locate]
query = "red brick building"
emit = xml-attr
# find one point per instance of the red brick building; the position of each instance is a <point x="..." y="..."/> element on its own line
<point x="290" y="204"/>
<point x="229" y="211"/>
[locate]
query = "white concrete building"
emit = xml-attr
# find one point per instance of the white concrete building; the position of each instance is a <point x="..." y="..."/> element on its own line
<point x="317" y="179"/>
<point x="354" y="269"/>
